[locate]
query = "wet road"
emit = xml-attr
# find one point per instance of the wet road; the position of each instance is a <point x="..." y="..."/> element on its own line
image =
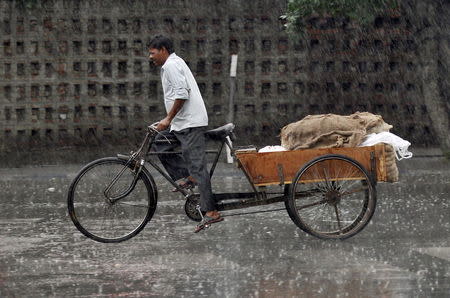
<point x="403" y="252"/>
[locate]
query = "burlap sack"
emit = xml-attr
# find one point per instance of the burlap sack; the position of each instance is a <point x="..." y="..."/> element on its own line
<point x="331" y="131"/>
<point x="391" y="164"/>
<point x="372" y="123"/>
<point x="334" y="131"/>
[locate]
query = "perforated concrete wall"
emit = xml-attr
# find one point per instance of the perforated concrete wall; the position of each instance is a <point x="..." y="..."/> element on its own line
<point x="77" y="73"/>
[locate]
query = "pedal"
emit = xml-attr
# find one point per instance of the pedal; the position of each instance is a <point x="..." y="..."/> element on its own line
<point x="200" y="227"/>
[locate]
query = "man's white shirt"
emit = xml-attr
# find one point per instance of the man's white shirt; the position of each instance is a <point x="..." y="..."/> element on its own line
<point x="179" y="83"/>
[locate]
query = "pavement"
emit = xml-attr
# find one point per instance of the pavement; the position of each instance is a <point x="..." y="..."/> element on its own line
<point x="403" y="252"/>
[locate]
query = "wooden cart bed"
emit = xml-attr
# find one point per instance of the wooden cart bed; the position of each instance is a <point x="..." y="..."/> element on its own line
<point x="281" y="167"/>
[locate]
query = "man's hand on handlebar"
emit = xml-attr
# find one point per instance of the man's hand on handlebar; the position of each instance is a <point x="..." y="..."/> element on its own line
<point x="153" y="125"/>
<point x="163" y="124"/>
<point x="153" y="128"/>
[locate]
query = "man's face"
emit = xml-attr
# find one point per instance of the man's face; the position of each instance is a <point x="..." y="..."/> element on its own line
<point x="158" y="56"/>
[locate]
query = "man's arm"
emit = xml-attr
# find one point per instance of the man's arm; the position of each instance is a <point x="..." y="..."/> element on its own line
<point x="165" y="123"/>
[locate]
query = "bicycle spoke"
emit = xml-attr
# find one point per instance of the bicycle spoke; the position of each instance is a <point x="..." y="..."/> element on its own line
<point x="312" y="204"/>
<point x="338" y="218"/>
<point x="353" y="191"/>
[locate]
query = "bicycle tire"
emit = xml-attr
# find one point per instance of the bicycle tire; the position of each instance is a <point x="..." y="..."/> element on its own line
<point x="100" y="220"/>
<point x="331" y="197"/>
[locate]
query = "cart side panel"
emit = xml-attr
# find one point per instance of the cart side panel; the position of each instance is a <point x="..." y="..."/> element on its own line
<point x="380" y="157"/>
<point x="277" y="167"/>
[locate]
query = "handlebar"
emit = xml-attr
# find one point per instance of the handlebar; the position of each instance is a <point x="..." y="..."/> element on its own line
<point x="152" y="130"/>
<point x="153" y="126"/>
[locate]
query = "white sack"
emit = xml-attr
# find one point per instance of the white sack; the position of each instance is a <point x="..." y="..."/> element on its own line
<point x="400" y="145"/>
<point x="272" y="149"/>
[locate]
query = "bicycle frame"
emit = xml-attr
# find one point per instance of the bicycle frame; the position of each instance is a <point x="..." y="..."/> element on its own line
<point x="248" y="199"/>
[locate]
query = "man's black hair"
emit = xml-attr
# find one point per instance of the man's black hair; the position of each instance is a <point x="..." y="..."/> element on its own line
<point x="160" y="41"/>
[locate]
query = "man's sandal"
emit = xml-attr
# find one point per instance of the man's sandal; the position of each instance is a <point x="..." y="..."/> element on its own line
<point x="185" y="184"/>
<point x="206" y="222"/>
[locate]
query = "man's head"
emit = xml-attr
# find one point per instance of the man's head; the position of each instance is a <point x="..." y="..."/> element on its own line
<point x="159" y="49"/>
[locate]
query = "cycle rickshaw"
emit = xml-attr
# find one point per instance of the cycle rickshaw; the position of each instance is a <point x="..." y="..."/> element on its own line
<point x="328" y="193"/>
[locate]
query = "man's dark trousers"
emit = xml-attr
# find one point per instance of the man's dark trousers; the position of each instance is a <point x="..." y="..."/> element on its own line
<point x="193" y="161"/>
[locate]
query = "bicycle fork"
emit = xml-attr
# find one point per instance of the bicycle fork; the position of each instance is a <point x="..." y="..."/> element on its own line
<point x="137" y="171"/>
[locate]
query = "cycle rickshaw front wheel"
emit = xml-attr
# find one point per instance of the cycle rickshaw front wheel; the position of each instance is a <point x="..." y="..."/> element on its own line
<point x="331" y="197"/>
<point x="100" y="202"/>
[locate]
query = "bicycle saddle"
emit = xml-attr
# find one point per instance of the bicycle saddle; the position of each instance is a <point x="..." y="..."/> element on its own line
<point x="221" y="133"/>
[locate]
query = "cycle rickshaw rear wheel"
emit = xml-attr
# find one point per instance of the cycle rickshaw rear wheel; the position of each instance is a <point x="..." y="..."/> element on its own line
<point x="332" y="197"/>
